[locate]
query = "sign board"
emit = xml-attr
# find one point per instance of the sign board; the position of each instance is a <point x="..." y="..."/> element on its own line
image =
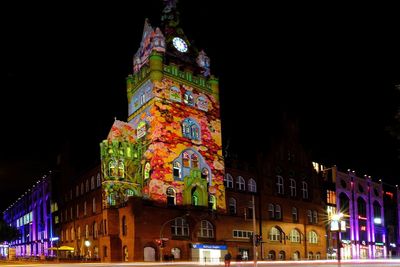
<point x="207" y="246"/>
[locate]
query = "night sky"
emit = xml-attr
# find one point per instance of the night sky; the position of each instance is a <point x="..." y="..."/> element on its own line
<point x="335" y="68"/>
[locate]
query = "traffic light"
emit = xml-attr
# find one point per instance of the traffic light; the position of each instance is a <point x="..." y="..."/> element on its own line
<point x="258" y="240"/>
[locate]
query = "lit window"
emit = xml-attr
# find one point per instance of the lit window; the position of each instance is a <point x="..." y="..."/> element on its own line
<point x="279" y="185"/>
<point x="171" y="196"/>
<point x="240" y="183"/>
<point x="274" y="234"/>
<point x="212" y="202"/>
<point x="294" y="214"/>
<point x="252" y="186"/>
<point x="278" y="212"/>
<point x="304" y="190"/>
<point x="186" y="159"/>
<point x="312" y="237"/>
<point x="295" y="236"/>
<point x="98" y="180"/>
<point x="177" y="170"/>
<point x="180" y="227"/>
<point x="190" y="129"/>
<point x="92" y="183"/>
<point x="293" y="192"/>
<point x="195" y="161"/>
<point x="229" y="181"/>
<point x="206" y="229"/>
<point x="271" y="211"/>
<point x="188" y="98"/>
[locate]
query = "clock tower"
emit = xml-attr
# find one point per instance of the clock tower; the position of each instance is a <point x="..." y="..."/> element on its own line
<point x="170" y="149"/>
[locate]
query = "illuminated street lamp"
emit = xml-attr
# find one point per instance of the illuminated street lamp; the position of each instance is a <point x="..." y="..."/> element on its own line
<point x="338" y="225"/>
<point x="87" y="245"/>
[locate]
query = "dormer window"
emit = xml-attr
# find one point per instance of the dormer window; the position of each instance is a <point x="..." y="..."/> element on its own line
<point x="188" y="98"/>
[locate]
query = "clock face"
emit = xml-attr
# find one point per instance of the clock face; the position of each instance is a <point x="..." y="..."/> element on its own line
<point x="179" y="44"/>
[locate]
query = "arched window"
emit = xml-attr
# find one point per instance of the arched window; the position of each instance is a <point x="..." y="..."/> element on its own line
<point x="304" y="189"/>
<point x="362" y="207"/>
<point x="271" y="211"/>
<point x="252" y="186"/>
<point x="278" y="212"/>
<point x="318" y="255"/>
<point x="295" y="236"/>
<point x="188" y="98"/>
<point x="295" y="216"/>
<point x="171" y="196"/>
<point x="177" y="171"/>
<point x="121" y="169"/>
<point x="232" y="206"/>
<point x="180" y="227"/>
<point x="274" y="234"/>
<point x="124" y="226"/>
<point x="147" y="169"/>
<point x="229" y="181"/>
<point x="191" y="129"/>
<point x="296" y="255"/>
<point x="77" y="191"/>
<point x="282" y="255"/>
<point x="111" y="199"/>
<point x="112" y="168"/>
<point x="195" y="161"/>
<point x="87" y="186"/>
<point x="293" y="192"/>
<point x="271" y="255"/>
<point x="92" y="183"/>
<point x="202" y="103"/>
<point x="212" y="202"/>
<point x="175" y="94"/>
<point x="206" y="229"/>
<point x="310" y="255"/>
<point x="186" y="159"/>
<point x="195" y="196"/>
<point x="312" y="237"/>
<point x="66" y="235"/>
<point x="204" y="173"/>
<point x="279" y="185"/>
<point x="82" y="188"/>
<point x="94" y="205"/>
<point x="240" y="183"/>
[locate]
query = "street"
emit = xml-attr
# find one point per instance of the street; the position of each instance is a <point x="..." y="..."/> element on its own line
<point x="345" y="263"/>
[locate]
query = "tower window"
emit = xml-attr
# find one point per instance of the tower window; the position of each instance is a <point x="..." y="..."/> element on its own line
<point x="186" y="159"/>
<point x="171" y="199"/>
<point x="188" y="98"/>
<point x="195" y="161"/>
<point x="175" y="94"/>
<point x="147" y="169"/>
<point x="177" y="170"/>
<point x="190" y="129"/>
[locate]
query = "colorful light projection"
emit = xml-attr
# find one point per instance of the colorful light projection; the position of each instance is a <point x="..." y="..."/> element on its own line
<point x="176" y="147"/>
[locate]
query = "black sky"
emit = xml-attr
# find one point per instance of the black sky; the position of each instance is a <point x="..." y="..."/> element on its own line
<point x="334" y="67"/>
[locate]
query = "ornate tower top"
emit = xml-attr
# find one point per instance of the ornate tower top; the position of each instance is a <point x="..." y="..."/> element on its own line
<point x="170" y="41"/>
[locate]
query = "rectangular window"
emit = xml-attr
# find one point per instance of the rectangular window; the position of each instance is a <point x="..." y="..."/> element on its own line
<point x="242" y="234"/>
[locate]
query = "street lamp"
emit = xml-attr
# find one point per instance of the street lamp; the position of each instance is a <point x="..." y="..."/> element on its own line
<point x="336" y="226"/>
<point x="87" y="245"/>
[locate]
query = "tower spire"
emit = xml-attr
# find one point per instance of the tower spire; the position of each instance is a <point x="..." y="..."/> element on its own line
<point x="170" y="14"/>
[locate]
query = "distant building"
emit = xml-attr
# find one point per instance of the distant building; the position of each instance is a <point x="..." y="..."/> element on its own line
<point x="360" y="201"/>
<point x="33" y="215"/>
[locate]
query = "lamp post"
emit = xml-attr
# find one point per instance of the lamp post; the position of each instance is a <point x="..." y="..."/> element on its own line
<point x="254" y="232"/>
<point x="87" y="245"/>
<point x="336" y="226"/>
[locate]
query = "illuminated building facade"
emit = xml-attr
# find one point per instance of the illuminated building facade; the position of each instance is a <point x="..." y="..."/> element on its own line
<point x="33" y="215"/>
<point x="360" y="200"/>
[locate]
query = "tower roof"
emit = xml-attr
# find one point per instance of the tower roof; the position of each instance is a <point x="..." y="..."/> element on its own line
<point x="170" y="40"/>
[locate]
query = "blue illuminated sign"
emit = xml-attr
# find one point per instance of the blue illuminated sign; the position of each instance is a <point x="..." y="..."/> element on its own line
<point x="206" y="246"/>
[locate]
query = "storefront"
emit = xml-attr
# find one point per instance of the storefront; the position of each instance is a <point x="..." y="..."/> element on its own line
<point x="379" y="250"/>
<point x="205" y="253"/>
<point x="3" y="251"/>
